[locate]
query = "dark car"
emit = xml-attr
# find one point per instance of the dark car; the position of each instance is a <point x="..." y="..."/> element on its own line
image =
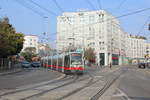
<point x="142" y="65"/>
<point x="36" y="64"/>
<point x="25" y="64"/>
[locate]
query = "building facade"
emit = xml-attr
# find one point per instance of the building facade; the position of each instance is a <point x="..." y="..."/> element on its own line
<point x="30" y="41"/>
<point x="136" y="46"/>
<point x="96" y="29"/>
<point x="148" y="50"/>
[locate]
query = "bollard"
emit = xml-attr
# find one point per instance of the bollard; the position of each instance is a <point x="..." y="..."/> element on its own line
<point x="2" y="64"/>
<point x="9" y="65"/>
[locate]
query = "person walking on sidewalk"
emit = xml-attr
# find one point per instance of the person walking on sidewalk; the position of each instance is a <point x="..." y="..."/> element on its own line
<point x="110" y="65"/>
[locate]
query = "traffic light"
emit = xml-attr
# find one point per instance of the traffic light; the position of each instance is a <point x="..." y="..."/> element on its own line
<point x="148" y="26"/>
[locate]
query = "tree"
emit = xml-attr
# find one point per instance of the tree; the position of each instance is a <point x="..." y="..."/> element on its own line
<point x="11" y="42"/>
<point x="90" y="55"/>
<point x="30" y="49"/>
<point x="29" y="53"/>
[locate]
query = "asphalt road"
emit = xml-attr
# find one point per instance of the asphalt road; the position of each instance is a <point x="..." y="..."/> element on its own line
<point x="27" y="77"/>
<point x="135" y="84"/>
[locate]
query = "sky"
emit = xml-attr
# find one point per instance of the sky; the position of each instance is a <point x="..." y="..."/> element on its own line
<point x="28" y="18"/>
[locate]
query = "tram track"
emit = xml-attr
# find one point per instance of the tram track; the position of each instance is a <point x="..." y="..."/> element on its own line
<point x="77" y="79"/>
<point x="71" y="81"/>
<point x="106" y="86"/>
<point x="65" y="78"/>
<point x="91" y="82"/>
<point x="78" y="89"/>
<point x="46" y="91"/>
<point x="88" y="84"/>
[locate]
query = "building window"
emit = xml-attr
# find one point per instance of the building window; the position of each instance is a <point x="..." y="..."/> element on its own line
<point x="82" y="20"/>
<point x="91" y="33"/>
<point x="71" y="20"/>
<point x="30" y="43"/>
<point x="30" y="39"/>
<point x="101" y="17"/>
<point x="91" y="19"/>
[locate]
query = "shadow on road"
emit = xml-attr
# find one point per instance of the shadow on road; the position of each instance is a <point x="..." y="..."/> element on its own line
<point x="140" y="98"/>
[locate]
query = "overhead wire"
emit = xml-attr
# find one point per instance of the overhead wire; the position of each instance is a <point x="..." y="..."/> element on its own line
<point x="121" y="3"/>
<point x="30" y="8"/>
<point x="58" y="6"/>
<point x="99" y="4"/>
<point x="26" y="5"/>
<point x="144" y="25"/>
<point x="124" y="15"/>
<point x="45" y="9"/>
<point x="92" y="6"/>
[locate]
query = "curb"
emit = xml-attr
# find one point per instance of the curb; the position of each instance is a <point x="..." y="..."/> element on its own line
<point x="6" y="73"/>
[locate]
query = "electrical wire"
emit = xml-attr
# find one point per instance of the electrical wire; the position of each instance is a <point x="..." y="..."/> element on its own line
<point x="144" y="25"/>
<point x="121" y="3"/>
<point x="30" y="8"/>
<point x="99" y="4"/>
<point x="58" y="6"/>
<point x="92" y="6"/>
<point x="45" y="9"/>
<point x="124" y="15"/>
<point x="33" y="10"/>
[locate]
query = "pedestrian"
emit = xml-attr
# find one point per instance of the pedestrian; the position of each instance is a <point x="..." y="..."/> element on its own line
<point x="110" y="65"/>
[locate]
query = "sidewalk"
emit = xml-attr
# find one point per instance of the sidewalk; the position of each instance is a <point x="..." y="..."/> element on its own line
<point x="146" y="71"/>
<point x="107" y="68"/>
<point x="11" y="71"/>
<point x="14" y="69"/>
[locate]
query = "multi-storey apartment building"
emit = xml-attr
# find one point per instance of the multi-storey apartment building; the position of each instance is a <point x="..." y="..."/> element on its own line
<point x="30" y="41"/>
<point x="135" y="46"/>
<point x="97" y="29"/>
<point x="148" y="51"/>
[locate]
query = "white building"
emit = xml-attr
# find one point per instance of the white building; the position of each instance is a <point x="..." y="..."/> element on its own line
<point x="136" y="46"/>
<point x="30" y="41"/>
<point x="147" y="52"/>
<point x="97" y="29"/>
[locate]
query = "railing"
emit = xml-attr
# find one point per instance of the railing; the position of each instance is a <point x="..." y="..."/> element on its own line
<point x="6" y="64"/>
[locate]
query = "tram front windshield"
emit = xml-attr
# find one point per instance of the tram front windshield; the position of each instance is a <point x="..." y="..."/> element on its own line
<point x="76" y="58"/>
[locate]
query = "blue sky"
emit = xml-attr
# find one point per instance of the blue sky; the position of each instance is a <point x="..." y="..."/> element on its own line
<point x="29" y="22"/>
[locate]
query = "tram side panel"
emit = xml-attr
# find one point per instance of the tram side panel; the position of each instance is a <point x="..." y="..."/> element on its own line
<point x="49" y="64"/>
<point x="60" y="64"/>
<point x="54" y="66"/>
<point x="67" y="64"/>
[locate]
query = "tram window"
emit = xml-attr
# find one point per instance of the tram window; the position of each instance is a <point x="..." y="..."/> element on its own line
<point x="60" y="62"/>
<point x="55" y="62"/>
<point x="49" y="61"/>
<point x="67" y="61"/>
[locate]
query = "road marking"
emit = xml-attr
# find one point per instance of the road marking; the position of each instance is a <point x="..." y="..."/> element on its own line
<point x="121" y="94"/>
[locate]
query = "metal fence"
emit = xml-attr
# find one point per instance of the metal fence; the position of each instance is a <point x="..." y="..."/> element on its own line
<point x="6" y="64"/>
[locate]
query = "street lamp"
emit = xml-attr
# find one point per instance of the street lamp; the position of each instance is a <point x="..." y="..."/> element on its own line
<point x="71" y="45"/>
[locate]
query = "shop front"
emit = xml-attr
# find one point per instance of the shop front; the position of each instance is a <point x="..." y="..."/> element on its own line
<point x="115" y="59"/>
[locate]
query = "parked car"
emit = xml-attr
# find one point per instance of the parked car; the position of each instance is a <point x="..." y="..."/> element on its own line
<point x="142" y="65"/>
<point x="36" y="64"/>
<point x="25" y="64"/>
